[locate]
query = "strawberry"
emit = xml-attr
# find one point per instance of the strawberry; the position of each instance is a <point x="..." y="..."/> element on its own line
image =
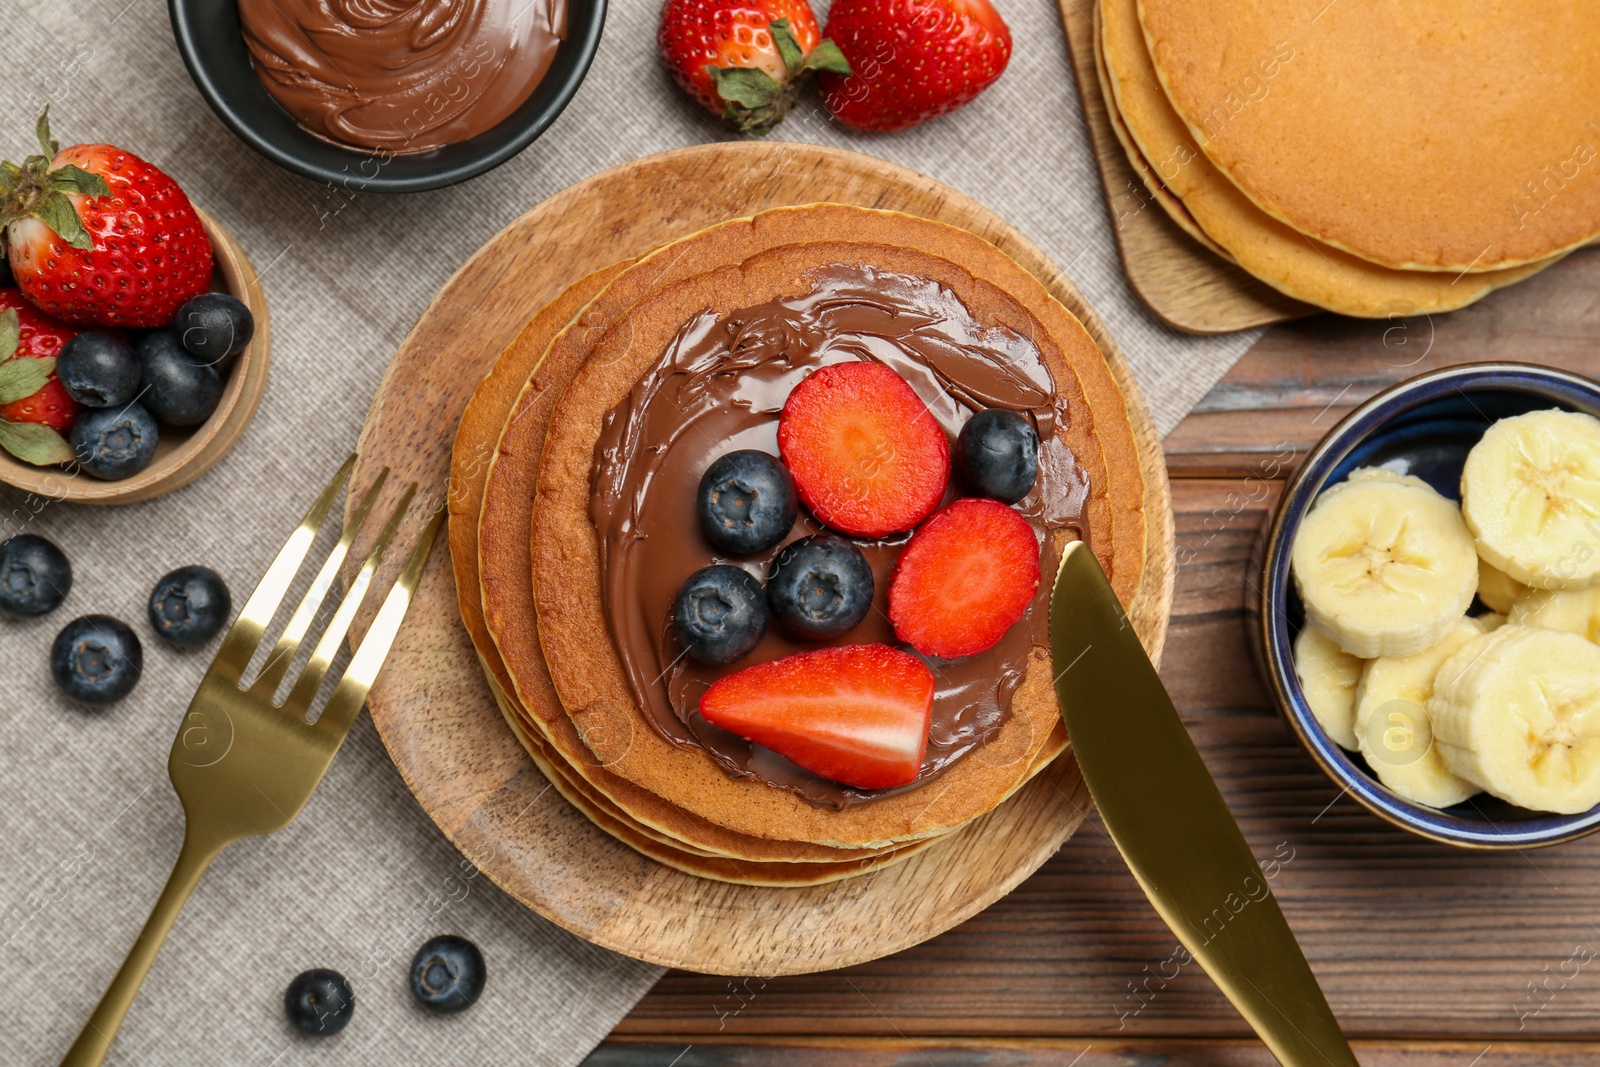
<point x="867" y="456"/>
<point x="964" y="579"/>
<point x="856" y="714"/>
<point x="913" y="60"/>
<point x="35" y="408"/>
<point x="97" y="235"/>
<point x="742" y="59"/>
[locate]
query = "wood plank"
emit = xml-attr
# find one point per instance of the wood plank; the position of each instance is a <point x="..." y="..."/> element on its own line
<point x="1091" y="1051"/>
<point x="1407" y="937"/>
<point x="1302" y="377"/>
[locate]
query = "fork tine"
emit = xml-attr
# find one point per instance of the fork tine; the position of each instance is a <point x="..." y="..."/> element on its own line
<point x="305" y="686"/>
<point x="348" y="695"/>
<point x="277" y="664"/>
<point x="245" y="634"/>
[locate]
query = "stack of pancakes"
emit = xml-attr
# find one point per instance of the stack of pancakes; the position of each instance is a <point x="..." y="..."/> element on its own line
<point x="528" y="568"/>
<point x="1373" y="160"/>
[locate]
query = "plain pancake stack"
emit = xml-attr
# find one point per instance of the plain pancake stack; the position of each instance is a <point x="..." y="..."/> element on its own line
<point x="1374" y="160"/>
<point x="527" y="561"/>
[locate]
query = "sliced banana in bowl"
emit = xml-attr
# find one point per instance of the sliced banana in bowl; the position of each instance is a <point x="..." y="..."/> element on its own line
<point x="1530" y="493"/>
<point x="1517" y="712"/>
<point x="1384" y="564"/>
<point x="1393" y="726"/>
<point x="1329" y="676"/>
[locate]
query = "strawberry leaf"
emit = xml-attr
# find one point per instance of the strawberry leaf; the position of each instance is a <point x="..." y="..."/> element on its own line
<point x="826" y="56"/>
<point x="23" y="377"/>
<point x="32" y="443"/>
<point x="748" y="88"/>
<point x="57" y="212"/>
<point x="10" y="333"/>
<point x="74" y="179"/>
<point x="788" y="47"/>
<point x="42" y="131"/>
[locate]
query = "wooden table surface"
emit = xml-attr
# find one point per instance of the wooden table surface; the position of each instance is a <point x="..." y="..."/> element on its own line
<point x="1430" y="956"/>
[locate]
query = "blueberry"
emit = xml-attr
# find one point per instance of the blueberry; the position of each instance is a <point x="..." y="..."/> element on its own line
<point x="214" y="326"/>
<point x="35" y="576"/>
<point x="447" y="974"/>
<point x="319" y="1002"/>
<point x="179" y="388"/>
<point x="747" y="502"/>
<point x="819" y="586"/>
<point x="720" y="614"/>
<point x="99" y="370"/>
<point x="997" y="455"/>
<point x="190" y="605"/>
<point x="96" y="659"/>
<point x="114" y="442"/>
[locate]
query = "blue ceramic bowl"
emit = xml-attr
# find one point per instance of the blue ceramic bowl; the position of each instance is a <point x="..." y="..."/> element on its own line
<point x="1425" y="425"/>
<point x="212" y="45"/>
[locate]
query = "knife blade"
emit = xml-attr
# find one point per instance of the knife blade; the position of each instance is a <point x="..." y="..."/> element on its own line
<point x="1168" y="819"/>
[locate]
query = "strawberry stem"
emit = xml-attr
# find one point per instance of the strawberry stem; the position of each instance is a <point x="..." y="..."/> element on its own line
<point x="34" y="190"/>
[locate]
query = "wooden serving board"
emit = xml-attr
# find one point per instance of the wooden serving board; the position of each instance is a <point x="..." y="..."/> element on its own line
<point x="1185" y="285"/>
<point x="435" y="712"/>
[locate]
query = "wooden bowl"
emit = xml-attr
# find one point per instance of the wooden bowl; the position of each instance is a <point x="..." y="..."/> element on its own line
<point x="184" y="453"/>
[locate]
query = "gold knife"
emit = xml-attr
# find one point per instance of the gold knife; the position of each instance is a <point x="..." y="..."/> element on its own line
<point x="1162" y="808"/>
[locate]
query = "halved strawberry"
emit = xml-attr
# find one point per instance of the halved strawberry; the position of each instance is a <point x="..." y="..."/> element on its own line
<point x="35" y="408"/>
<point x="867" y="455"/>
<point x="964" y="579"/>
<point x="856" y="714"/>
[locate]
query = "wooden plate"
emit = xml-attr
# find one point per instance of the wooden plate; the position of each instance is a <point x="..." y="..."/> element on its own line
<point x="1187" y="286"/>
<point x="434" y="709"/>
<point x="182" y="454"/>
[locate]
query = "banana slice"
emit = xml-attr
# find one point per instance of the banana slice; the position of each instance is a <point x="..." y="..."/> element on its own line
<point x="1517" y="712"/>
<point x="1393" y="726"/>
<point x="1384" y="564"/>
<point x="1530" y="492"/>
<point x="1574" y="611"/>
<point x="1328" y="678"/>
<point x="1490" y="622"/>
<point x="1497" y="589"/>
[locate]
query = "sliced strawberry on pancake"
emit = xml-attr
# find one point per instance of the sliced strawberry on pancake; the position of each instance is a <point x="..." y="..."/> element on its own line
<point x="855" y="714"/>
<point x="868" y="457"/>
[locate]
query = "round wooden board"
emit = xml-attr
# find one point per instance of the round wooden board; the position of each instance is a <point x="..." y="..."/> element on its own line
<point x="434" y="709"/>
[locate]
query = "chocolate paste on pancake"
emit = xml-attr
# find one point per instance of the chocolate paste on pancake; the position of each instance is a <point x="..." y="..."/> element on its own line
<point x="401" y="76"/>
<point x="720" y="387"/>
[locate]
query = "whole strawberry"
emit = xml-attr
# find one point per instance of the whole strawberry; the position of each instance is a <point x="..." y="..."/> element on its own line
<point x="743" y="59"/>
<point x="97" y="235"/>
<point x="35" y="408"/>
<point x="913" y="60"/>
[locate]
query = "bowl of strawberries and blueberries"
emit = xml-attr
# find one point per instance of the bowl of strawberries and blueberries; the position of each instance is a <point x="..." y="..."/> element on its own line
<point x="858" y="713"/>
<point x="112" y="340"/>
<point x="880" y="65"/>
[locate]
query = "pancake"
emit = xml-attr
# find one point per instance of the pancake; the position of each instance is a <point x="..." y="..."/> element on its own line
<point x="1280" y="256"/>
<point x="511" y="407"/>
<point x="1163" y="197"/>
<point x="582" y="660"/>
<point x="1438" y="135"/>
<point x="717" y="868"/>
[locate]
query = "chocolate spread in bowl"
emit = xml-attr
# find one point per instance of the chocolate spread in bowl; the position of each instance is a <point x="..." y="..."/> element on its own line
<point x="720" y="387"/>
<point x="401" y="76"/>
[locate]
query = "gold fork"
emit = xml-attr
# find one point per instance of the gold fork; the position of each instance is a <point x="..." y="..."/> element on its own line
<point x="243" y="765"/>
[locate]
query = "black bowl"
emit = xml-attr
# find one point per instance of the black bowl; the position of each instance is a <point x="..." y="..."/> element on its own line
<point x="1424" y="426"/>
<point x="212" y="45"/>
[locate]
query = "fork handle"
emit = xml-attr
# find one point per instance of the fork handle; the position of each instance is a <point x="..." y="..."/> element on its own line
<point x="95" y="1040"/>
